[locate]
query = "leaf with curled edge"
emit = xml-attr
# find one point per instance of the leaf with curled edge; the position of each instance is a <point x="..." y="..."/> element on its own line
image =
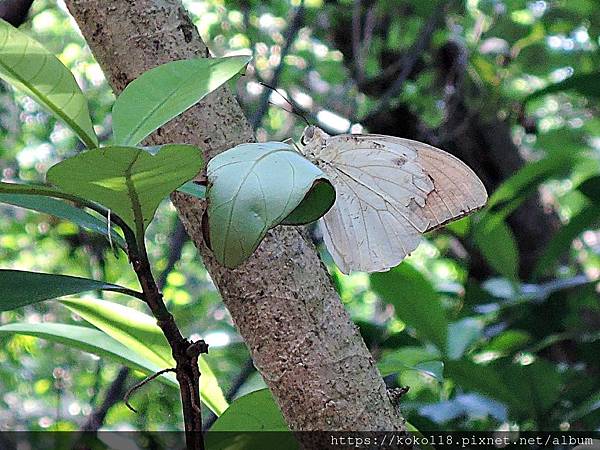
<point x="255" y="187"/>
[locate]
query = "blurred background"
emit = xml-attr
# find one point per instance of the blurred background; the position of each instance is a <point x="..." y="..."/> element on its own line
<point x="493" y="323"/>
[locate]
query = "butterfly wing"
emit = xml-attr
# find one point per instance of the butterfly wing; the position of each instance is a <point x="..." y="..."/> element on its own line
<point x="389" y="192"/>
<point x="457" y="192"/>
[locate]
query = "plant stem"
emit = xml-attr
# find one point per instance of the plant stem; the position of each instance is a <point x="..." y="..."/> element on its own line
<point x="185" y="353"/>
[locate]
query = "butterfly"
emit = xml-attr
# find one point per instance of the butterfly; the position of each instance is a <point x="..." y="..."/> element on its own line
<point x="390" y="191"/>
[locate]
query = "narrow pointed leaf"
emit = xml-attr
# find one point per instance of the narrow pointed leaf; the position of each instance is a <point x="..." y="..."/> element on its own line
<point x="63" y="210"/>
<point x="19" y="288"/>
<point x="254" y="187"/>
<point x="89" y="340"/>
<point x="587" y="219"/>
<point x="32" y="189"/>
<point x="497" y="243"/>
<point x="139" y="332"/>
<point x="32" y="69"/>
<point x="129" y="181"/>
<point x="166" y="91"/>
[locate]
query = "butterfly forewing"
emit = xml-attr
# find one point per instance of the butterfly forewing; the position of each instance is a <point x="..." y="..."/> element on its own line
<point x="389" y="192"/>
<point x="458" y="190"/>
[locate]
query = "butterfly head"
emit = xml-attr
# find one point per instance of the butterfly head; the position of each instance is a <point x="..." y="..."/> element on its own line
<point x="313" y="140"/>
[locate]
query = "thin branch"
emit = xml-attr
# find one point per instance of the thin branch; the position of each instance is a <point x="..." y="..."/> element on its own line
<point x="178" y="239"/>
<point x="290" y="37"/>
<point x="245" y="372"/>
<point x="113" y="395"/>
<point x="116" y="389"/>
<point x="142" y="383"/>
<point x="184" y="352"/>
<point x="308" y="115"/>
<point x="370" y="19"/>
<point x="357" y="52"/>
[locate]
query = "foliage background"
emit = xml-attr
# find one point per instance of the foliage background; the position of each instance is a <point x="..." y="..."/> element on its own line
<point x="493" y="322"/>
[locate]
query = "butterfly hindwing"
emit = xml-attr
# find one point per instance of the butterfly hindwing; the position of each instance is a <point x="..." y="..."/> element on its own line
<point x="389" y="192"/>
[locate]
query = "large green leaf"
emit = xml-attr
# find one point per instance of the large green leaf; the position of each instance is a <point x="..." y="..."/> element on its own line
<point x="139" y="332"/>
<point x="527" y="179"/>
<point x="166" y="91"/>
<point x="89" y="340"/>
<point x="129" y="181"/>
<point x="19" y="288"/>
<point x="527" y="389"/>
<point x="254" y="187"/>
<point x="587" y="84"/>
<point x="243" y="424"/>
<point x="31" y="68"/>
<point x="415" y="300"/>
<point x="486" y="380"/>
<point x="256" y="411"/>
<point x="63" y="210"/>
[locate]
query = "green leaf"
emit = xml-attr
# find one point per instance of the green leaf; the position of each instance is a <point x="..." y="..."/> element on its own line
<point x="415" y="300"/>
<point x="587" y="219"/>
<point x="254" y="187"/>
<point x="591" y="188"/>
<point x="497" y="244"/>
<point x="139" y="332"/>
<point x="129" y="181"/>
<point x="587" y="84"/>
<point x="256" y="411"/>
<point x="89" y="340"/>
<point x="193" y="189"/>
<point x="63" y="210"/>
<point x="31" y="68"/>
<point x="21" y="288"/>
<point x="461" y="335"/>
<point x="416" y="359"/>
<point x="318" y="200"/>
<point x="526" y="180"/>
<point x="483" y="379"/>
<point x="242" y="425"/>
<point x="508" y="342"/>
<point x="166" y="91"/>
<point x="433" y="369"/>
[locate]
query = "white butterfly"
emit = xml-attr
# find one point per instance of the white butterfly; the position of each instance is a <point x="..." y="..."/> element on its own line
<point x="389" y="192"/>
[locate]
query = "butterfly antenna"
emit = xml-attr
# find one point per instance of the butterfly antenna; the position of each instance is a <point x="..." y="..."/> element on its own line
<point x="294" y="110"/>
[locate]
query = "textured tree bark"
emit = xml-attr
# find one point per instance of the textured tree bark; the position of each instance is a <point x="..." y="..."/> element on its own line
<point x="301" y="338"/>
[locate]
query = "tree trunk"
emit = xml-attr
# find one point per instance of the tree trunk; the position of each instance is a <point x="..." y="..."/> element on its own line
<point x="300" y="336"/>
